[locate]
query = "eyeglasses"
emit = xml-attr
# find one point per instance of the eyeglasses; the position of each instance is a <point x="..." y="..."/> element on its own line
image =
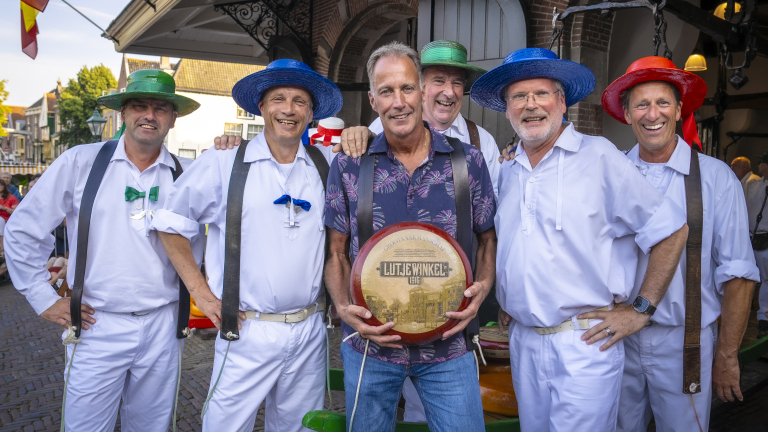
<point x="540" y="97"/>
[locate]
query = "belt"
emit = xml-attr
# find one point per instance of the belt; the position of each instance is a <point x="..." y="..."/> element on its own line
<point x="291" y="317"/>
<point x="567" y="325"/>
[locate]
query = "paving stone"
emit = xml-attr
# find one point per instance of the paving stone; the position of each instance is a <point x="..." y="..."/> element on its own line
<point x="32" y="376"/>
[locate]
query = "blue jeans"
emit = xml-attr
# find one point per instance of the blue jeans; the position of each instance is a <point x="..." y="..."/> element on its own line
<point x="449" y="391"/>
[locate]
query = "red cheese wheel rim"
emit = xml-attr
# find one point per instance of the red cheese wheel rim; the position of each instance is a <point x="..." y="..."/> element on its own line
<point x="357" y="290"/>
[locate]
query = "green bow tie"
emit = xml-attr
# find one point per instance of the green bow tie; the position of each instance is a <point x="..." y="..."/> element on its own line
<point x="132" y="194"/>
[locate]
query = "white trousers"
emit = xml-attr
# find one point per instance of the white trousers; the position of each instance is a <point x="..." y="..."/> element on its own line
<point x="414" y="409"/>
<point x="282" y="363"/>
<point x="761" y="259"/>
<point x="653" y="381"/>
<point x="135" y="358"/>
<point x="563" y="384"/>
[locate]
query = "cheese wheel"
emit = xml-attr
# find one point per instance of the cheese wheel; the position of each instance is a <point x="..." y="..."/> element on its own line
<point x="497" y="394"/>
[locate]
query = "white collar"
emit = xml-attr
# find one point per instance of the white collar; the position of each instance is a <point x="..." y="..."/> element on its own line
<point x="680" y="160"/>
<point x="259" y="150"/>
<point x="164" y="157"/>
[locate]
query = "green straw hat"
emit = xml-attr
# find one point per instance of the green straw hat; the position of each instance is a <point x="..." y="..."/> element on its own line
<point x="150" y="84"/>
<point x="452" y="54"/>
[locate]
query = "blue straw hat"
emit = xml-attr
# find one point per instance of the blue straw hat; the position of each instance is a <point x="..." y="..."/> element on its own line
<point x="528" y="63"/>
<point x="326" y="96"/>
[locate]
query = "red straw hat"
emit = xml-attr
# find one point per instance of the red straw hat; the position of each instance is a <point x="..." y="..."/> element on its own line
<point x="692" y="88"/>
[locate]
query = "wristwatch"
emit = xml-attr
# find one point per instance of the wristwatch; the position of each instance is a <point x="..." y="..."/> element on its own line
<point x="643" y="305"/>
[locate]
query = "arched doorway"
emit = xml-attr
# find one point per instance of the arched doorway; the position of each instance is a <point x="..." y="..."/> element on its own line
<point x="490" y="30"/>
<point x="378" y="24"/>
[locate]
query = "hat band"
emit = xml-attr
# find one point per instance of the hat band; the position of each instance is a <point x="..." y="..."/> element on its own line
<point x="443" y="53"/>
<point x="326" y="134"/>
<point x="155" y="87"/>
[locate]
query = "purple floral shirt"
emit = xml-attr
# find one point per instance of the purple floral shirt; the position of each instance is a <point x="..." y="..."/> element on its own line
<point x="427" y="196"/>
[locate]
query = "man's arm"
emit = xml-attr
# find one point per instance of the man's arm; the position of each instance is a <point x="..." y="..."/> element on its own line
<point x="486" y="273"/>
<point x="337" y="271"/>
<point x="624" y="320"/>
<point x="179" y="251"/>
<point x="735" y="314"/>
<point x="28" y="241"/>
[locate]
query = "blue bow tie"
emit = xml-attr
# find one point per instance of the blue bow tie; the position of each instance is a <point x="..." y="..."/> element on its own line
<point x="285" y="199"/>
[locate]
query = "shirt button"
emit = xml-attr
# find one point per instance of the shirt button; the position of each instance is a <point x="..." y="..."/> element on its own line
<point x="530" y="180"/>
<point x="139" y="204"/>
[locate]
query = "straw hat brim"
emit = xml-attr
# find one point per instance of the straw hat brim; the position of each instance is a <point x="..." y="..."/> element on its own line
<point x="182" y="104"/>
<point x="578" y="81"/>
<point x="692" y="89"/>
<point x="327" y="97"/>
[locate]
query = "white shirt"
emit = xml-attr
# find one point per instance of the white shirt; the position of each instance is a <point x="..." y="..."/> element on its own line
<point x="557" y="224"/>
<point x="281" y="268"/>
<point x="749" y="184"/>
<point x="127" y="268"/>
<point x="726" y="252"/>
<point x="755" y="200"/>
<point x="459" y="130"/>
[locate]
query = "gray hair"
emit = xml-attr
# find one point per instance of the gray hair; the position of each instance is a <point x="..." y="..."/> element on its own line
<point x="392" y="49"/>
<point x="5" y="172"/>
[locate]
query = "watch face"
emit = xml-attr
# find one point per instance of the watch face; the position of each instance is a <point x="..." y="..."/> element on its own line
<point x="638" y="304"/>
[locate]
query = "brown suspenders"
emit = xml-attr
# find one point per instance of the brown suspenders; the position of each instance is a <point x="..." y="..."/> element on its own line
<point x="474" y="134"/>
<point x="692" y="346"/>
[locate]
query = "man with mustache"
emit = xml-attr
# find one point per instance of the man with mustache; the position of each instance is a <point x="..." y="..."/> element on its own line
<point x="564" y="199"/>
<point x="276" y="347"/>
<point x="128" y="348"/>
<point x="414" y="181"/>
<point x="652" y="97"/>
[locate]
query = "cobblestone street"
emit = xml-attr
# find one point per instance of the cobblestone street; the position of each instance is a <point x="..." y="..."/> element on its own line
<point x="32" y="358"/>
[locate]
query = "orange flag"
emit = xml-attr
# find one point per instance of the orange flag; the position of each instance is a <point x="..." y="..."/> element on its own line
<point x="29" y="31"/>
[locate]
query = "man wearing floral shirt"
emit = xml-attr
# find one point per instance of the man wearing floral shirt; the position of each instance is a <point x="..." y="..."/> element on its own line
<point x="413" y="181"/>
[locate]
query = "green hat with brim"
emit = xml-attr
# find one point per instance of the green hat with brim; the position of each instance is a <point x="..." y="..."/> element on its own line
<point x="150" y="84"/>
<point x="451" y="54"/>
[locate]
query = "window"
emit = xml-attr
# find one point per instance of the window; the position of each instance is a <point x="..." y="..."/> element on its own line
<point x="243" y="114"/>
<point x="187" y="153"/>
<point x="233" y="129"/>
<point x="254" y="130"/>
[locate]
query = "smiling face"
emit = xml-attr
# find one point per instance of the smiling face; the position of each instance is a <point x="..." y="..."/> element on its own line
<point x="541" y="117"/>
<point x="396" y="95"/>
<point x="147" y="121"/>
<point x="287" y="110"/>
<point x="653" y="113"/>
<point x="6" y="177"/>
<point x="443" y="94"/>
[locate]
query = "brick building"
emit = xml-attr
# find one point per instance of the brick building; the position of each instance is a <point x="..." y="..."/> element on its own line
<point x="335" y="37"/>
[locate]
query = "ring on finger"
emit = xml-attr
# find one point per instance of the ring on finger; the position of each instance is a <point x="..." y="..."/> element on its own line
<point x="607" y="330"/>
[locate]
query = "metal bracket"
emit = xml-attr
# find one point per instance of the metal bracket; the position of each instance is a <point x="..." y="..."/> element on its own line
<point x="260" y="19"/>
<point x="152" y="5"/>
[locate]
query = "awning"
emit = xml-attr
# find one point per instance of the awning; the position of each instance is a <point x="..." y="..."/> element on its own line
<point x="23" y="170"/>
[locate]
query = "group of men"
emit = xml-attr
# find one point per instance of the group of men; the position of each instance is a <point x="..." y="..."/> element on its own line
<point x="586" y="245"/>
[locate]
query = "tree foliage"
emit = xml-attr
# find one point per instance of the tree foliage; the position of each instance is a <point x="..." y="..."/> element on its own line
<point x="78" y="101"/>
<point x="3" y="109"/>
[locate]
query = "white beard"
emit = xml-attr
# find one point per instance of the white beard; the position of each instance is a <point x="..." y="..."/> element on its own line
<point x="534" y="141"/>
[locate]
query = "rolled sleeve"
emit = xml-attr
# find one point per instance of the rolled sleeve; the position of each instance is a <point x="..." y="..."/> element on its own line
<point x="732" y="250"/>
<point x="733" y="270"/>
<point x="170" y="222"/>
<point x="667" y="219"/>
<point x="641" y="209"/>
<point x="194" y="198"/>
